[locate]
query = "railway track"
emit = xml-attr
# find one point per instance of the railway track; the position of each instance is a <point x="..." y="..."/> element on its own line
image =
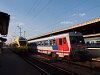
<point x="46" y="68"/>
<point x="88" y="64"/>
<point x="81" y="68"/>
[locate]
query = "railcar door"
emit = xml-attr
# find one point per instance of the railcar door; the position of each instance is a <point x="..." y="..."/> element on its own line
<point x="65" y="44"/>
<point x="59" y="43"/>
<point x="62" y="44"/>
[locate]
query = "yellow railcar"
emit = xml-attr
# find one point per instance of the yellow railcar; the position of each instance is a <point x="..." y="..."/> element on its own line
<point x="20" y="45"/>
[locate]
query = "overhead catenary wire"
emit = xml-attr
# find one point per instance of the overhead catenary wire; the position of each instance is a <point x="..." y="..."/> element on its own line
<point x="74" y="7"/>
<point x="34" y="17"/>
<point x="33" y="8"/>
<point x="57" y="23"/>
<point x="39" y="12"/>
<point x="78" y="5"/>
<point x="42" y="9"/>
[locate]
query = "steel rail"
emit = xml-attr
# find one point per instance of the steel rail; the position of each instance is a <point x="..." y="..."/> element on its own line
<point x="46" y="68"/>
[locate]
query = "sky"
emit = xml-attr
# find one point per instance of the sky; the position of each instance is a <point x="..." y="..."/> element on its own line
<point x="37" y="17"/>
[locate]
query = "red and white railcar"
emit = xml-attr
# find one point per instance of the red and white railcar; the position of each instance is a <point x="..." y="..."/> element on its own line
<point x="69" y="45"/>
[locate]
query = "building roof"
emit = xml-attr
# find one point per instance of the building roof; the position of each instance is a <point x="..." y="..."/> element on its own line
<point x="86" y="28"/>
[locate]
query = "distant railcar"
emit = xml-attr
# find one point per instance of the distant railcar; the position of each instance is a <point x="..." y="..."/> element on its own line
<point x="20" y="45"/>
<point x="70" y="46"/>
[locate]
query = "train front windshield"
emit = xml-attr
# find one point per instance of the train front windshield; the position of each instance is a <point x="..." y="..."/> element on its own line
<point x="77" y="40"/>
<point x="22" y="43"/>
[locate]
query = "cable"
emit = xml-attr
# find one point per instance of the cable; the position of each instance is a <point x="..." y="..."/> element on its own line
<point x="42" y="9"/>
<point x="48" y="4"/>
<point x="64" y="19"/>
<point x="74" y="7"/>
<point x="87" y="10"/>
<point x="34" y="6"/>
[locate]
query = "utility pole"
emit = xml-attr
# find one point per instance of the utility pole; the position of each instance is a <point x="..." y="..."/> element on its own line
<point x="20" y="30"/>
<point x="24" y="33"/>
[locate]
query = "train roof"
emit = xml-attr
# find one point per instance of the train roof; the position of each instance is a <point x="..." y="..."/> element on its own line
<point x="22" y="38"/>
<point x="60" y="35"/>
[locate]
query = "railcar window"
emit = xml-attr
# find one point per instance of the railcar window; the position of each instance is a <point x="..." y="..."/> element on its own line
<point x="60" y="41"/>
<point x="42" y="43"/>
<point x="36" y="43"/>
<point x="64" y="40"/>
<point x="93" y="44"/>
<point x="30" y="44"/>
<point x="50" y="42"/>
<point x="98" y="42"/>
<point x="39" y="43"/>
<point x="22" y="43"/>
<point x="54" y="42"/>
<point x="46" y="42"/>
<point x="77" y="40"/>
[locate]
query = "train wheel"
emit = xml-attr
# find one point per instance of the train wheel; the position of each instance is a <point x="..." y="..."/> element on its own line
<point x="57" y="56"/>
<point x="53" y="55"/>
